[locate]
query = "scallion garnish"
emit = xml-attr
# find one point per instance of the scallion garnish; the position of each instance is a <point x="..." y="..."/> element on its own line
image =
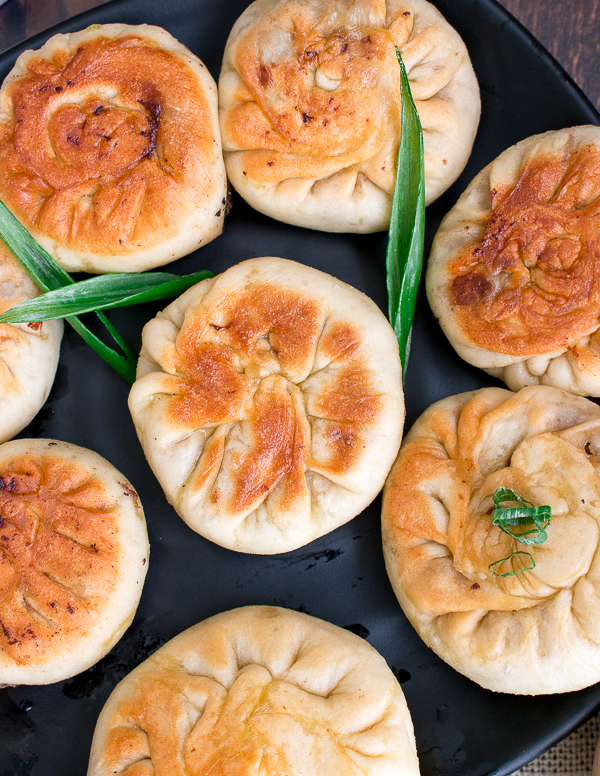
<point x="516" y="571"/>
<point x="63" y="298"/>
<point x="404" y="258"/>
<point x="524" y="515"/>
<point x="102" y="292"/>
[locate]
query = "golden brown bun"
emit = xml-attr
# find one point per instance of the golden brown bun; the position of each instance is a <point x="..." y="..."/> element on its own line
<point x="73" y="557"/>
<point x="110" y="149"/>
<point x="513" y="273"/>
<point x="310" y="110"/>
<point x="269" y="404"/>
<point x="258" y="690"/>
<point x="537" y="631"/>
<point x="28" y="351"/>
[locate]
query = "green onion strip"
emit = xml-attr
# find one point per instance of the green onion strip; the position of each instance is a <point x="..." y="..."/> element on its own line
<point x="404" y="257"/>
<point x="64" y="298"/>
<point x="100" y="293"/>
<point x="526" y="514"/>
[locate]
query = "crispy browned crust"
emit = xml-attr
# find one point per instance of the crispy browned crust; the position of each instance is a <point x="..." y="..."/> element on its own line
<point x="532" y="284"/>
<point x="513" y="276"/>
<point x="64" y="533"/>
<point x="310" y="106"/>
<point x="314" y="132"/>
<point x="108" y="144"/>
<point x="258" y="690"/>
<point x="214" y="391"/>
<point x="56" y="560"/>
<point x="279" y="372"/>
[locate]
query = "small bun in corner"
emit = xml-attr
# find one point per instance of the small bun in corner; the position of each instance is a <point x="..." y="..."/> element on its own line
<point x="29" y="352"/>
<point x="258" y="690"/>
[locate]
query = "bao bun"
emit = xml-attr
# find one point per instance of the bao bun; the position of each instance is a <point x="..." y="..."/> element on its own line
<point x="258" y="690"/>
<point x="514" y="271"/>
<point x="28" y="351"/>
<point x="110" y="151"/>
<point x="536" y="631"/>
<point x="310" y="107"/>
<point x="73" y="557"/>
<point x="269" y="404"/>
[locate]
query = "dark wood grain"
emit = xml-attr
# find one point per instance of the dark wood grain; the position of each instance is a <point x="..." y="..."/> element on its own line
<point x="20" y="19"/>
<point x="570" y="30"/>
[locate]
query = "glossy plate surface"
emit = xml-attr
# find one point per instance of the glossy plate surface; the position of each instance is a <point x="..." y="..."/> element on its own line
<point x="460" y="728"/>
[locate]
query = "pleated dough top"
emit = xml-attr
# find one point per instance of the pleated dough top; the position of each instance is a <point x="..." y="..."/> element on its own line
<point x="73" y="557"/>
<point x="269" y="404"/>
<point x="310" y="109"/>
<point x="537" y="630"/>
<point x="258" y="690"/>
<point x="110" y="149"/>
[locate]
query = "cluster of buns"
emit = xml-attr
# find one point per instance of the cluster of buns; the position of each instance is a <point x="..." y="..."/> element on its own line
<point x="131" y="173"/>
<point x="269" y="400"/>
<point x="513" y="280"/>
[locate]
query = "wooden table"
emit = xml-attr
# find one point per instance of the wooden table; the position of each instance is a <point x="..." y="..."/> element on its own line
<point x="570" y="29"/>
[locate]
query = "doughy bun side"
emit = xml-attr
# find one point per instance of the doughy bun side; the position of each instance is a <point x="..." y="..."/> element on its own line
<point x="310" y="109"/>
<point x="269" y="404"/>
<point x="28" y="351"/>
<point x="132" y="175"/>
<point x="533" y="632"/>
<point x="259" y="688"/>
<point x="513" y="272"/>
<point x="73" y="558"/>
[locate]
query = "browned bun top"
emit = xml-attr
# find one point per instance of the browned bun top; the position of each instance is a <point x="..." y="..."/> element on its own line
<point x="513" y="616"/>
<point x="109" y="144"/>
<point x="289" y="96"/>
<point x="65" y="528"/>
<point x="310" y="106"/>
<point x="258" y="690"/>
<point x="55" y="562"/>
<point x="514" y="271"/>
<point x="532" y="283"/>
<point x="269" y="404"/>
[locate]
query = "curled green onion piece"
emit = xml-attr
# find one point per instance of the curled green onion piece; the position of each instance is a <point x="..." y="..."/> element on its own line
<point x="516" y="571"/>
<point x="523" y="515"/>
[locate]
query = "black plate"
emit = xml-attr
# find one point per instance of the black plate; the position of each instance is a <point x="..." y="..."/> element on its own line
<point x="460" y="728"/>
